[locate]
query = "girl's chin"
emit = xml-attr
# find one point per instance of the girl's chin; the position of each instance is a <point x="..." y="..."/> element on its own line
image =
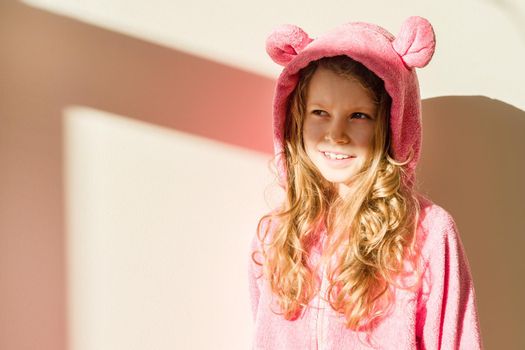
<point x="337" y="180"/>
<point x="341" y="183"/>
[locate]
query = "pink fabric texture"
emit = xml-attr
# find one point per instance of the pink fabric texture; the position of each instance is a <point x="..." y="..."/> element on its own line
<point x="442" y="314"/>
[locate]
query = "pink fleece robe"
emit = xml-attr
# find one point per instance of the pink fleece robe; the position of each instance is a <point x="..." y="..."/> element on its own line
<point x="442" y="314"/>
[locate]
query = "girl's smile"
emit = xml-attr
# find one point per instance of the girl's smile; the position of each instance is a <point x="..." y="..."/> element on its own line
<point x="337" y="160"/>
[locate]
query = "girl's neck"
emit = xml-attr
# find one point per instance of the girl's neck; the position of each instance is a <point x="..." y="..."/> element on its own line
<point x="345" y="190"/>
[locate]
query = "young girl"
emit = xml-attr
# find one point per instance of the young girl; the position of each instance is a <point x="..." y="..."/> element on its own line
<point x="354" y="258"/>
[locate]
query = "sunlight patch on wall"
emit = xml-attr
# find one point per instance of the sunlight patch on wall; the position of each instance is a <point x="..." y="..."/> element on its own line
<point x="158" y="228"/>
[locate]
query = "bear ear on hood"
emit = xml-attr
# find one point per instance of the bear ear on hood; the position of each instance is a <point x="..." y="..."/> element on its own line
<point x="285" y="42"/>
<point x="415" y="42"/>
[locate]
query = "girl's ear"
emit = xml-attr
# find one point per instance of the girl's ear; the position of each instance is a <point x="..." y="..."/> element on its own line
<point x="415" y="42"/>
<point x="285" y="42"/>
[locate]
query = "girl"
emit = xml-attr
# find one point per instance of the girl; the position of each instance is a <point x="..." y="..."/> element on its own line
<point x="355" y="258"/>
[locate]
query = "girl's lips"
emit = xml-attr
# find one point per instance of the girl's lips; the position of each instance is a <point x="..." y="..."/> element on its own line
<point x="346" y="154"/>
<point x="337" y="163"/>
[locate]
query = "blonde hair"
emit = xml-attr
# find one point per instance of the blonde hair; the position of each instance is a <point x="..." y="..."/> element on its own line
<point x="372" y="248"/>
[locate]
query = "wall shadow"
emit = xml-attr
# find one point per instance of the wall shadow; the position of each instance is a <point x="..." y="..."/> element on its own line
<point x="472" y="165"/>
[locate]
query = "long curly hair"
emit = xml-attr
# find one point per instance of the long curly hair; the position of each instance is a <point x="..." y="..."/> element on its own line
<point x="371" y="234"/>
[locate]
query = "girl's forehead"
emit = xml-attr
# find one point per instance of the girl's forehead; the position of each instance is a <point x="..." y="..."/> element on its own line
<point x="327" y="88"/>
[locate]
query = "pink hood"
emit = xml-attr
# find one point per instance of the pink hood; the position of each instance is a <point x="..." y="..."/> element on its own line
<point x="391" y="58"/>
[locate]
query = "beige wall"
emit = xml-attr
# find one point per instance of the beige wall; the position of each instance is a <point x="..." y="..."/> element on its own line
<point x="134" y="142"/>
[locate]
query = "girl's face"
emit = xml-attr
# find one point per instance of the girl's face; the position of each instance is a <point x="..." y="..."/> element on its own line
<point x="338" y="127"/>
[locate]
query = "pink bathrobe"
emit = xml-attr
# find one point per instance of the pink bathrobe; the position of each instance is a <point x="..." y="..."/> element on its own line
<point x="442" y="314"/>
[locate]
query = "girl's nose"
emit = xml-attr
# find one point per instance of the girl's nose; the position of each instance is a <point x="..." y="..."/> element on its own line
<point x="336" y="133"/>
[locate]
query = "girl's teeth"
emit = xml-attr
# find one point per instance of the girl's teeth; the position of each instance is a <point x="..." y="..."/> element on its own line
<point x="335" y="156"/>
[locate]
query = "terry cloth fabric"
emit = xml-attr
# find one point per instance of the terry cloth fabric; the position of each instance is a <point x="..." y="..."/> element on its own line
<point x="442" y="314"/>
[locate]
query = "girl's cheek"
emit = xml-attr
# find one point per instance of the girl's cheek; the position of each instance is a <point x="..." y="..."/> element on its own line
<point x="363" y="134"/>
<point x="313" y="130"/>
<point x="310" y="137"/>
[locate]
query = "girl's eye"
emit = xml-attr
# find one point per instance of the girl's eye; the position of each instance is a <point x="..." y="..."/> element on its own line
<point x="317" y="112"/>
<point x="360" y="116"/>
<point x="357" y="115"/>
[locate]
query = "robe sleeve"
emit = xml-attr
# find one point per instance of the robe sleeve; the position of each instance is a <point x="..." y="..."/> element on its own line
<point x="447" y="316"/>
